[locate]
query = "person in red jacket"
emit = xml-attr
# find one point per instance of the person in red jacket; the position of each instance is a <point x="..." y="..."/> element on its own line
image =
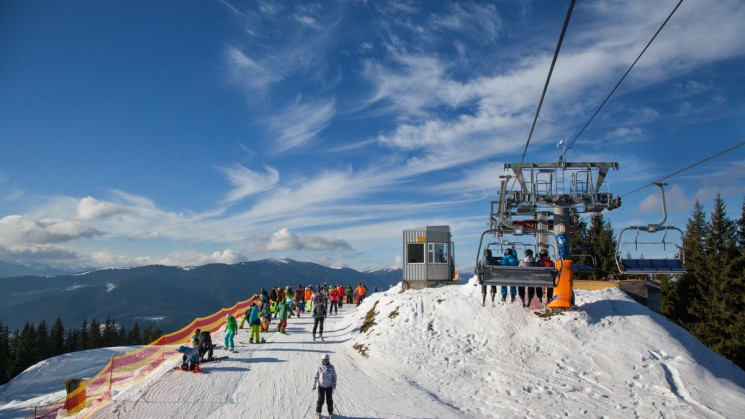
<point x="334" y="296"/>
<point x="543" y="260"/>
<point x="340" y="294"/>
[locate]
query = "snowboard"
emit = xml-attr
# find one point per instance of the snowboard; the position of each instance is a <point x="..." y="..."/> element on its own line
<point x="215" y="359"/>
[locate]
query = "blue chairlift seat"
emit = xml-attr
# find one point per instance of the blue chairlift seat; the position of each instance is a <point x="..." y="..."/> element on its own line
<point x="583" y="268"/>
<point x="652" y="266"/>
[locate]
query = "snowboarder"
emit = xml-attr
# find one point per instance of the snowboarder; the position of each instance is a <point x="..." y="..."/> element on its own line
<point x="319" y="314"/>
<point x="325" y="380"/>
<point x="189" y="359"/>
<point x="231" y="327"/>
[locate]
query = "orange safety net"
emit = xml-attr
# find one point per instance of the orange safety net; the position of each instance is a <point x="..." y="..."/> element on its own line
<point x="129" y="368"/>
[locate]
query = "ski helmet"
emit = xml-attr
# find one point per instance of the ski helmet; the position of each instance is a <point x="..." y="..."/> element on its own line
<point x="227" y="316"/>
<point x="181" y="348"/>
<point x="325" y="358"/>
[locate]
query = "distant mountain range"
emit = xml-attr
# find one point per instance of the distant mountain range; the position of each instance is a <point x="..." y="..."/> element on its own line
<point x="164" y="296"/>
<point x="10" y="269"/>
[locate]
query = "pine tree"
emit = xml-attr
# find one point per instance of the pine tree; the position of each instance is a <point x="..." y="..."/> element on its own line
<point x="602" y="243"/>
<point x="109" y="336"/>
<point x="24" y="349"/>
<point x="741" y="230"/>
<point x="681" y="295"/>
<point x="57" y="338"/>
<point x="134" y="337"/>
<point x="94" y="335"/>
<point x="81" y="342"/>
<point x="41" y="339"/>
<point x="726" y="284"/>
<point x="71" y="341"/>
<point x="4" y="354"/>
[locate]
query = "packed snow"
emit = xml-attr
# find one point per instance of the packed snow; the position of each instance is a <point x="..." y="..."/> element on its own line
<point x="437" y="353"/>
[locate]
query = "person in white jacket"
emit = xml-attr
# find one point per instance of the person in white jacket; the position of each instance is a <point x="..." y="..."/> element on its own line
<point x="325" y="380"/>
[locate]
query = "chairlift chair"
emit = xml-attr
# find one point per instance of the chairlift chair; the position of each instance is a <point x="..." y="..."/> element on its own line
<point x="639" y="266"/>
<point x="491" y="273"/>
<point x="586" y="263"/>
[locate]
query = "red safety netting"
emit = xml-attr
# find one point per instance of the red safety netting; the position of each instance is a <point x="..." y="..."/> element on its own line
<point x="129" y="368"/>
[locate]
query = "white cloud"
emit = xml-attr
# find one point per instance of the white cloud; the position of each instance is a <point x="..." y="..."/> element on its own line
<point x="284" y="240"/>
<point x="23" y="229"/>
<point x="299" y="123"/>
<point x="249" y="74"/>
<point x="90" y="208"/>
<point x="247" y="182"/>
<point x="194" y="258"/>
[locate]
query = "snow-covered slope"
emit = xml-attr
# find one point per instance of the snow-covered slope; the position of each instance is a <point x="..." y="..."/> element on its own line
<point x="437" y="353"/>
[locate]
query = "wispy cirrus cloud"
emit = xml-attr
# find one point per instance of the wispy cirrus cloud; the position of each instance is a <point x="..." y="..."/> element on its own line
<point x="299" y="123"/>
<point x="247" y="182"/>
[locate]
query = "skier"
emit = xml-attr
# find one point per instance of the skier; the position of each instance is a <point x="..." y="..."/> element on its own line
<point x="189" y="359"/>
<point x="325" y="380"/>
<point x="319" y="314"/>
<point x="266" y="316"/>
<point x="231" y="327"/>
<point x="282" y="313"/>
<point x="509" y="259"/>
<point x="360" y="291"/>
<point x="528" y="260"/>
<point x="340" y="293"/>
<point x="299" y="299"/>
<point x="255" y="323"/>
<point x="334" y="296"/>
<point x="350" y="292"/>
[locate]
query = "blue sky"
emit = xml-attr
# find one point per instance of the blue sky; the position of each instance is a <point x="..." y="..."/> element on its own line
<point x="190" y="132"/>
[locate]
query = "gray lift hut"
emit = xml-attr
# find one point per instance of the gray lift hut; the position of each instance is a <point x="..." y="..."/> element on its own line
<point x="428" y="255"/>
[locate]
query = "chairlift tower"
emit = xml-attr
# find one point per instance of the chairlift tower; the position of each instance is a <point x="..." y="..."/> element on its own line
<point x="535" y="190"/>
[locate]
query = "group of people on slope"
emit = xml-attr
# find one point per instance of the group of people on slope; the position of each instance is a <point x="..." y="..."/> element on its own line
<point x="192" y="356"/>
<point x="510" y="259"/>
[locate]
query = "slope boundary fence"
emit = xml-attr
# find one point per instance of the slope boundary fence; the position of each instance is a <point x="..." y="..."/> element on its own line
<point x="127" y="369"/>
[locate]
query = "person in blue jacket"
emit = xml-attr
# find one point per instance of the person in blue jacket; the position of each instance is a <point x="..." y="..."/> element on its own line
<point x="509" y="259"/>
<point x="254" y="319"/>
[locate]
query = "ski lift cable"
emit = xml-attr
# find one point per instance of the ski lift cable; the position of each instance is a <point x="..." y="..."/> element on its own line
<point x="685" y="168"/>
<point x="624" y="76"/>
<point x="548" y="79"/>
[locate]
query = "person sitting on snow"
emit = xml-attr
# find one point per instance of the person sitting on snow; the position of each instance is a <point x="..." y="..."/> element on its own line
<point x="205" y="345"/>
<point x="190" y="358"/>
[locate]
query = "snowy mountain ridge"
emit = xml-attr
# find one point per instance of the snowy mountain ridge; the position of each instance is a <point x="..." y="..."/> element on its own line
<point x="437" y="353"/>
